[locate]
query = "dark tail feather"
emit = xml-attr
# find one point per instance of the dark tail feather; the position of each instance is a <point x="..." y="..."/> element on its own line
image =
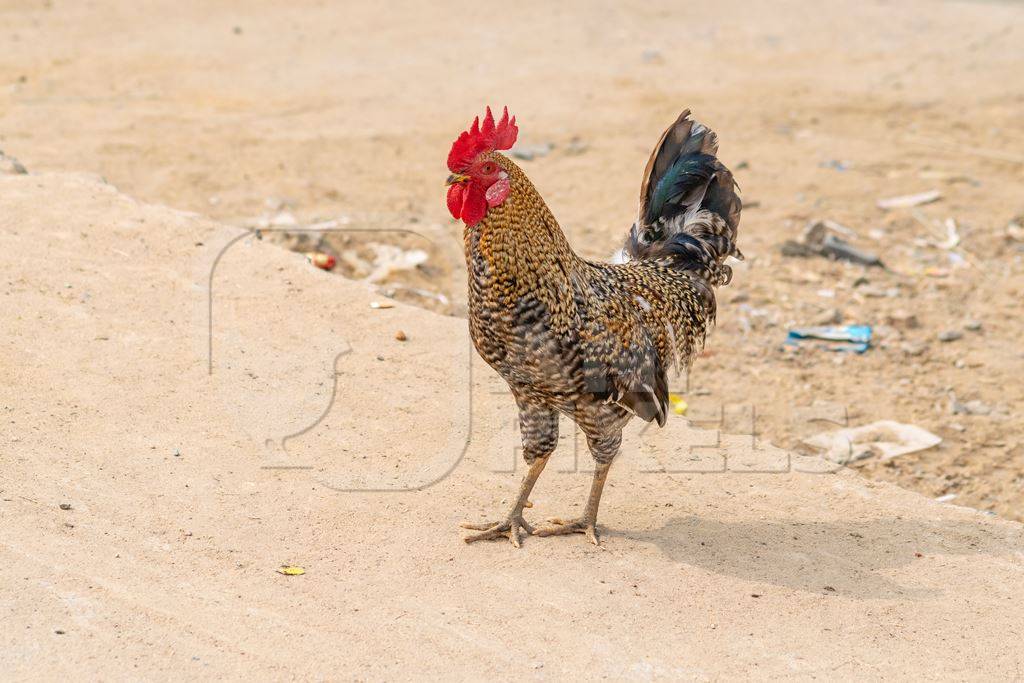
<point x="689" y="209"/>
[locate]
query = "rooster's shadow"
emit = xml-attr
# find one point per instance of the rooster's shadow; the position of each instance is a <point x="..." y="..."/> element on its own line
<point x="851" y="559"/>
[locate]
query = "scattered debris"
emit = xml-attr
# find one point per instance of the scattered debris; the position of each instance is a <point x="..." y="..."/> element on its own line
<point x="816" y="240"/>
<point x="837" y="165"/>
<point x="1014" y="229"/>
<point x="885" y="439"/>
<point x="914" y="348"/>
<point x="832" y="226"/>
<point x="952" y="236"/>
<point x="909" y="200"/>
<point x="321" y="260"/>
<point x="902" y="320"/>
<point x="277" y="203"/>
<point x="283" y="219"/>
<point x="832" y="316"/>
<point x="530" y="152"/>
<point x="401" y="336"/>
<point x="389" y="259"/>
<point x="651" y="56"/>
<point x="678" y="403"/>
<point x="950" y="335"/>
<point x="878" y="292"/>
<point x="858" y="337"/>
<point x="290" y="570"/>
<point x="576" y="146"/>
<point x="833" y="247"/>
<point x="10" y="165"/>
<point x="974" y="407"/>
<point x="419" y="292"/>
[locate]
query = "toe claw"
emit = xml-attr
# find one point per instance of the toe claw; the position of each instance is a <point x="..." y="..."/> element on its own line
<point x="559" y="527"/>
<point x="484" y="535"/>
<point x="510" y="529"/>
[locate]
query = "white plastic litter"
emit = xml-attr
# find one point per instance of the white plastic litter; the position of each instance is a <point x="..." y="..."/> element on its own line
<point x="885" y="439"/>
<point x="908" y="200"/>
<point x="390" y="258"/>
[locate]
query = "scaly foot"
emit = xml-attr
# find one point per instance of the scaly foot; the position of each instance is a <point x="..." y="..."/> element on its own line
<point x="570" y="526"/>
<point x="508" y="529"/>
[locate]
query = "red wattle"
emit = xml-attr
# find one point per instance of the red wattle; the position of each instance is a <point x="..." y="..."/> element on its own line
<point x="455" y="200"/>
<point x="474" y="204"/>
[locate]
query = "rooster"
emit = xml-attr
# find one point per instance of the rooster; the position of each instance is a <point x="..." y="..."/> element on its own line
<point x="593" y="341"/>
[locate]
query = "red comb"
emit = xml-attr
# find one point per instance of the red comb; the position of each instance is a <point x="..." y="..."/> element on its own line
<point x="479" y="139"/>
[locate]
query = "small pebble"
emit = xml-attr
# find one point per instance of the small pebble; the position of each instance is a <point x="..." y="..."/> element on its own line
<point x="903" y="320"/>
<point x="912" y="349"/>
<point x="650" y="56"/>
<point x="832" y="316"/>
<point x="973" y="326"/>
<point x="576" y="147"/>
<point x="65" y="506"/>
<point x="531" y="152"/>
<point x="950" y="335"/>
<point x="400" y="336"/>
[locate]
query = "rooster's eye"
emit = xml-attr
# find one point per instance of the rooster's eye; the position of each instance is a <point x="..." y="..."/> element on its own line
<point x="488" y="168"/>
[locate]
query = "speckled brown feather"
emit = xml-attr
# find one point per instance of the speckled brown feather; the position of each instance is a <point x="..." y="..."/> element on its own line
<point x="590" y="340"/>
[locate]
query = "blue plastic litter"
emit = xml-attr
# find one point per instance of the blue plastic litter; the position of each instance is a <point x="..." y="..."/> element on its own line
<point x="855" y="338"/>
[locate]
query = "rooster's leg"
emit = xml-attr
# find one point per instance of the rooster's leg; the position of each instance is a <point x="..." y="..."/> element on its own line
<point x="587" y="524"/>
<point x="510" y="526"/>
<point x="539" y="427"/>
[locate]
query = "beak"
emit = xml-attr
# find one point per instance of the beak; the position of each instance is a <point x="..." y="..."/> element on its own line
<point x="456" y="178"/>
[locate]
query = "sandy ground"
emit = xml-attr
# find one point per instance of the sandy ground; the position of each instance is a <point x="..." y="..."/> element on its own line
<point x="197" y="457"/>
<point x="187" y="490"/>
